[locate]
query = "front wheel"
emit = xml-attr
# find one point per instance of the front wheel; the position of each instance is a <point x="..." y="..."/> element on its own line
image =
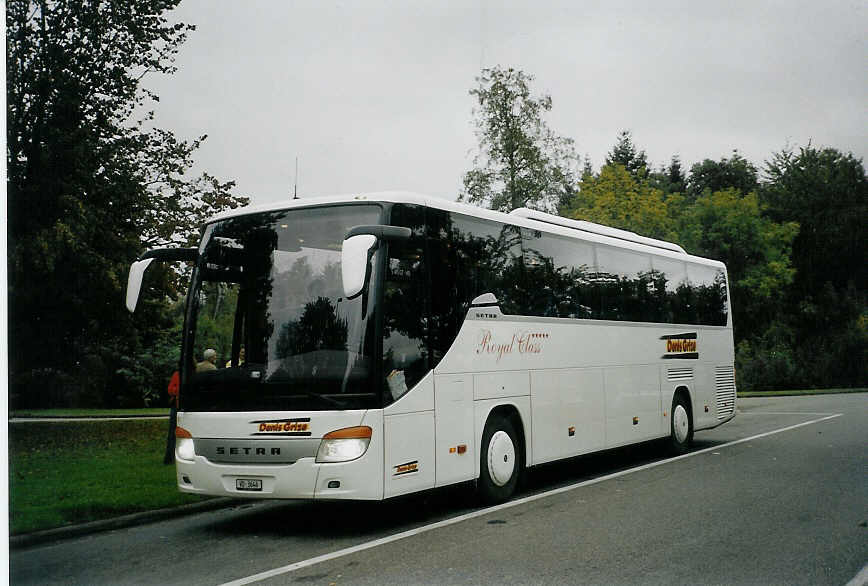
<point x="501" y="461"/>
<point x="681" y="426"/>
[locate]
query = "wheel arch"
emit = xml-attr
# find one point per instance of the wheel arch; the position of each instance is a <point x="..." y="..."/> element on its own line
<point x="517" y="413"/>
<point x="684" y="392"/>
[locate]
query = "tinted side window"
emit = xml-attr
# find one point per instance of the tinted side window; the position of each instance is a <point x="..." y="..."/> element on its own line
<point x="625" y="283"/>
<point x="559" y="271"/>
<point x="488" y="260"/>
<point x="469" y="257"/>
<point x="405" y="306"/>
<point x="669" y="276"/>
<point x="535" y="273"/>
<point x="708" y="294"/>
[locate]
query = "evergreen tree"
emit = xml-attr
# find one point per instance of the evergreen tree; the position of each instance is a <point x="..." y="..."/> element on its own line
<point x="669" y="179"/>
<point x="587" y="167"/>
<point x="624" y="153"/>
<point x="826" y="192"/>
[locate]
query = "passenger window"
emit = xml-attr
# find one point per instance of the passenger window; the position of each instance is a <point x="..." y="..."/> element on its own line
<point x="487" y="258"/>
<point x="708" y="290"/>
<point x="624" y="279"/>
<point x="669" y="276"/>
<point x="559" y="270"/>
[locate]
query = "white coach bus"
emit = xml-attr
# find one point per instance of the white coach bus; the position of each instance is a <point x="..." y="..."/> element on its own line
<point x="376" y="345"/>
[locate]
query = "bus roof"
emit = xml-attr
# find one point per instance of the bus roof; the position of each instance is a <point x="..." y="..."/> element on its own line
<point x="522" y="217"/>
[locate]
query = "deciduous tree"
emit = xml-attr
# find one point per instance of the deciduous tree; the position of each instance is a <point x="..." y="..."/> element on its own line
<point x="90" y="181"/>
<point x="710" y="176"/>
<point x="618" y="199"/>
<point x="520" y="162"/>
<point x="731" y="228"/>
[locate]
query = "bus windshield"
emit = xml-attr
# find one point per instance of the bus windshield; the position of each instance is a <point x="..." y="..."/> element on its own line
<point x="267" y="325"/>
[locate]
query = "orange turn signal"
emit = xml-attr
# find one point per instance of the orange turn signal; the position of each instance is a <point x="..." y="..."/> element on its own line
<point x="180" y="432"/>
<point x="358" y="432"/>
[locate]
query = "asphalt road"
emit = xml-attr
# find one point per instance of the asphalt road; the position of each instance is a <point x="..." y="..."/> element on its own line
<point x="789" y="507"/>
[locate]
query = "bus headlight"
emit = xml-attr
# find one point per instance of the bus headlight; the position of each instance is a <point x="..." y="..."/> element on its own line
<point x="184" y="448"/>
<point x="344" y="445"/>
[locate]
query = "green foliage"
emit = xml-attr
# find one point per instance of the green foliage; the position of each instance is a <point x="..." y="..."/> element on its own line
<point x="624" y="153"/>
<point x="767" y="361"/>
<point x="587" y="169"/>
<point x="520" y="161"/>
<point x="723" y="225"/>
<point x="669" y="179"/>
<point x="826" y="192"/>
<point x="728" y="227"/>
<point x="88" y="186"/>
<point x="710" y="176"/>
<point x="618" y="199"/>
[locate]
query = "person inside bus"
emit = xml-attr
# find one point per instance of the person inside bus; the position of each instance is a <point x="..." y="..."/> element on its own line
<point x="240" y="359"/>
<point x="209" y="362"/>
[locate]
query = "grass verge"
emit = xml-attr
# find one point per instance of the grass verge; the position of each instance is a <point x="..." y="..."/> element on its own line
<point x="63" y="473"/>
<point x="801" y="392"/>
<point x="90" y="412"/>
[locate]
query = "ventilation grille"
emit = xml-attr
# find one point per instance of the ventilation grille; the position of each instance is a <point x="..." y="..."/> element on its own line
<point x="676" y="374"/>
<point x="724" y="384"/>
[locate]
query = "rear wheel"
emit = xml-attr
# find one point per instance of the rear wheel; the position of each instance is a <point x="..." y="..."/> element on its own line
<point x="501" y="461"/>
<point x="681" y="425"/>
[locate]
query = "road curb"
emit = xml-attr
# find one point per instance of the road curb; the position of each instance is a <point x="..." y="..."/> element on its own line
<point x="76" y="419"/>
<point x="60" y="533"/>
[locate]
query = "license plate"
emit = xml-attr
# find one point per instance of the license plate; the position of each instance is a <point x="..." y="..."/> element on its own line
<point x="248" y="484"/>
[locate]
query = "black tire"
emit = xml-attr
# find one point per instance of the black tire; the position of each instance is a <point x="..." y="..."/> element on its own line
<point x="680" y="425"/>
<point x="497" y="479"/>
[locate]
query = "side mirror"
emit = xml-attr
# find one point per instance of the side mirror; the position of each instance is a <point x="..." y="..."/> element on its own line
<point x="359" y="244"/>
<point x="355" y="256"/>
<point x="134" y="282"/>
<point x="137" y="271"/>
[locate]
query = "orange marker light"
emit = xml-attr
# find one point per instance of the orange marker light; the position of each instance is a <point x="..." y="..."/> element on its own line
<point x="359" y="432"/>
<point x="180" y="432"/>
<point x="452" y="450"/>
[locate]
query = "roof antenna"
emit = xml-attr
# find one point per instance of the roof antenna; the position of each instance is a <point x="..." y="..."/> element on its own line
<point x="295" y="185"/>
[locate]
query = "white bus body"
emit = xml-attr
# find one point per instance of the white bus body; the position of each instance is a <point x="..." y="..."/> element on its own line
<point x="505" y="392"/>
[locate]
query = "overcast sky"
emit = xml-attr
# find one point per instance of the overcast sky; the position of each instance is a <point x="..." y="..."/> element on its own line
<point x="373" y="95"/>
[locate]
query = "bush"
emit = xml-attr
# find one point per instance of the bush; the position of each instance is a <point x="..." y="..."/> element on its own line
<point x="763" y="367"/>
